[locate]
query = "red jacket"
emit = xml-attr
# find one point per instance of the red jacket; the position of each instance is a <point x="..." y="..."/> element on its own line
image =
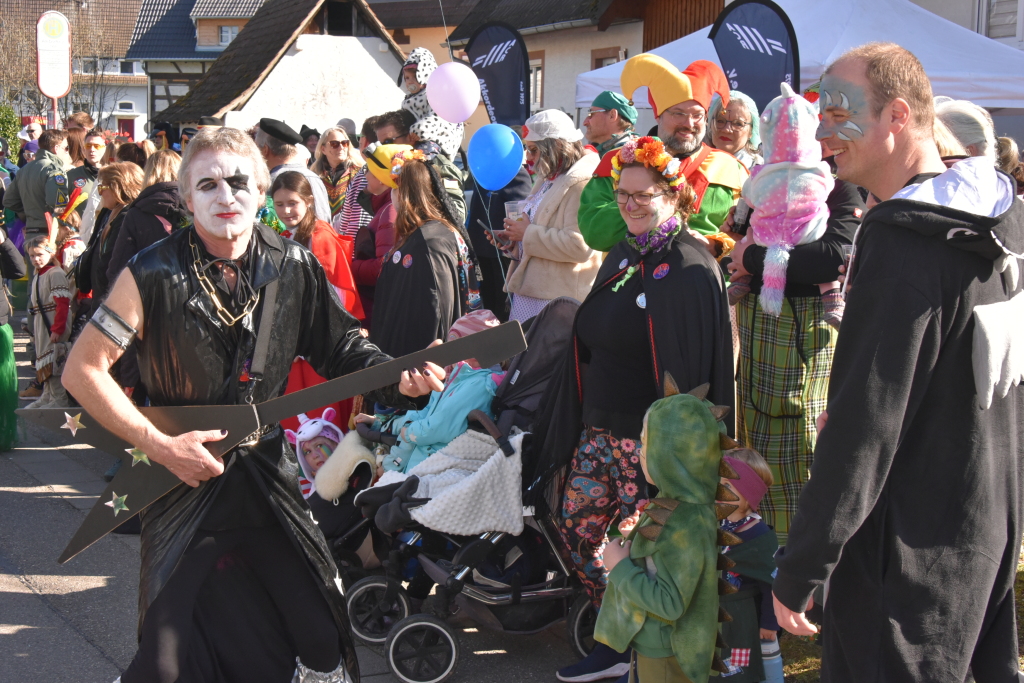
<point x="372" y="244"/>
<point x="335" y="254"/>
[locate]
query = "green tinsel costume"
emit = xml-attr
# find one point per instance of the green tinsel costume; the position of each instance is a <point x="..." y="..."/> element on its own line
<point x="665" y="601"/>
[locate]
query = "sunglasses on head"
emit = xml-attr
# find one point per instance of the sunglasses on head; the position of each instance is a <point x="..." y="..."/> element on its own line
<point x="338" y="144"/>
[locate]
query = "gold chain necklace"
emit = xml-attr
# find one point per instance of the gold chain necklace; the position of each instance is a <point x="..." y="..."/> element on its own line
<point x="211" y="290"/>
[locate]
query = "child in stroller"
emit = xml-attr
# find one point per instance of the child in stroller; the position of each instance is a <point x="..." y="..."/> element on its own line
<point x="468" y="387"/>
<point x="335" y="467"/>
<point x="512" y="581"/>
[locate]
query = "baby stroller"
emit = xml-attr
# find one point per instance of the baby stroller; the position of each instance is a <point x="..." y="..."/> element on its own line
<point x="497" y="581"/>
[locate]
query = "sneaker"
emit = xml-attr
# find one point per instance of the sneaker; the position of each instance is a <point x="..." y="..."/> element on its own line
<point x="33" y="390"/>
<point x="602" y="662"/>
<point x="44" y="400"/>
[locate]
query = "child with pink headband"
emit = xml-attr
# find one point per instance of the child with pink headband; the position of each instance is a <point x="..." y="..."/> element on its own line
<point x="754" y="653"/>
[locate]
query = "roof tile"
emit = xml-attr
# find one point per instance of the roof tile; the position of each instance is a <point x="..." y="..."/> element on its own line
<point x="420" y="13"/>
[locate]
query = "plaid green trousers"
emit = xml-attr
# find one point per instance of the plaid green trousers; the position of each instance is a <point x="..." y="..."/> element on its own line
<point x="781" y="388"/>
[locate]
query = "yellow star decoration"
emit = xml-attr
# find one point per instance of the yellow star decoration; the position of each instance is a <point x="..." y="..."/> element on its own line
<point x="138" y="456"/>
<point x="116" y="503"/>
<point x="73" y="424"/>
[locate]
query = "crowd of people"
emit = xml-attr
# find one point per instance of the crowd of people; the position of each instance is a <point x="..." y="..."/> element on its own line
<point x="834" y="279"/>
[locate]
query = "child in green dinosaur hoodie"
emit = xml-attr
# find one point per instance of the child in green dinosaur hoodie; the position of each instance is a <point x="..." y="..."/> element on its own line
<point x="663" y="600"/>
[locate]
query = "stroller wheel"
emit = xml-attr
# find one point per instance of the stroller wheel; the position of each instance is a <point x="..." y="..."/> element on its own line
<point x="372" y="617"/>
<point x="580" y="624"/>
<point x="422" y="649"/>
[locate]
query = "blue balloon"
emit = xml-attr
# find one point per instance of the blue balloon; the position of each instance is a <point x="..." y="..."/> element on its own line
<point x="495" y="156"/>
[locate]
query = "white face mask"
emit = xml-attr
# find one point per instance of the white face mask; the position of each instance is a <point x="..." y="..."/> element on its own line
<point x="224" y="198"/>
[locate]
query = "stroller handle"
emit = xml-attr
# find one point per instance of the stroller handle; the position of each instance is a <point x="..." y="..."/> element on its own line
<point x="375" y="435"/>
<point x="487" y="423"/>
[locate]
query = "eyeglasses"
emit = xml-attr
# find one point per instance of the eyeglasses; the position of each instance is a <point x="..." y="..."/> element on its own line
<point x="394" y="140"/>
<point x="338" y="144"/>
<point x="639" y="198"/>
<point x="596" y="111"/>
<point x="693" y="119"/>
<point x="94" y="146"/>
<point x="724" y="124"/>
<point x="100" y="188"/>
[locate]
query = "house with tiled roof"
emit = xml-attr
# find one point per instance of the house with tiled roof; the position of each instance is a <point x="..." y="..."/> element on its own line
<point x="306" y="62"/>
<point x="178" y="41"/>
<point x="105" y="84"/>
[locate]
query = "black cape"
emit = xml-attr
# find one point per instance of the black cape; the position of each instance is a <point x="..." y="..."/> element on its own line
<point x="913" y="507"/>
<point x="690" y="336"/>
<point x="418" y="294"/>
<point x="188" y="357"/>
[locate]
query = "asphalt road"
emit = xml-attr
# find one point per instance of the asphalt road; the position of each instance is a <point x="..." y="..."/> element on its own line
<point x="77" y="622"/>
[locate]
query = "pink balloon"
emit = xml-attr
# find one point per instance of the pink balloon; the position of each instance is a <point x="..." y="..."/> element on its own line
<point x="453" y="92"/>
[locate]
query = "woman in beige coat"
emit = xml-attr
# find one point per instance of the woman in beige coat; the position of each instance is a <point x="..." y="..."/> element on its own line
<point x="550" y="258"/>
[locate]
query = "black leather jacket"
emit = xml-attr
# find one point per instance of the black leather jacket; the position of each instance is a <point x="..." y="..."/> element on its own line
<point x="187" y="356"/>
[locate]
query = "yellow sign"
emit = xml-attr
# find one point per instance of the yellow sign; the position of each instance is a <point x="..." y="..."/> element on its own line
<point x="53" y="27"/>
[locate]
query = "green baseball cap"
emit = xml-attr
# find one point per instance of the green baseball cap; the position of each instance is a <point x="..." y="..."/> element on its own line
<point x="613" y="100"/>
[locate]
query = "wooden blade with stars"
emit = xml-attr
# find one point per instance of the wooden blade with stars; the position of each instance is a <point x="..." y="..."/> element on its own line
<point x="140" y="482"/>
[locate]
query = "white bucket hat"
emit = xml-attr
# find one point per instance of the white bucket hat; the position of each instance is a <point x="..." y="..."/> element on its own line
<point x="552" y="124"/>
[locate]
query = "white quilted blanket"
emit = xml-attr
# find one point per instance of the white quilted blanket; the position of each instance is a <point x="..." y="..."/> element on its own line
<point x="473" y="487"/>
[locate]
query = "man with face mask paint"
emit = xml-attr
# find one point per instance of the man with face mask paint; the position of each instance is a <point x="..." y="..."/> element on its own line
<point x="680" y="101"/>
<point x="912" y="516"/>
<point x="237" y="581"/>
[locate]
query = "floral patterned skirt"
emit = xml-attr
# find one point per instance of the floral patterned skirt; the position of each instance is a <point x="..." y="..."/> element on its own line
<point x="605" y="480"/>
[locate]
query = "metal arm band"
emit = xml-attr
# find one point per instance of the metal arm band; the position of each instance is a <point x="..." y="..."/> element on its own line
<point x="113" y="326"/>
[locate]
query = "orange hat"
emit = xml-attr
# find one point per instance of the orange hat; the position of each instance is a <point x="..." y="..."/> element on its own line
<point x="667" y="86"/>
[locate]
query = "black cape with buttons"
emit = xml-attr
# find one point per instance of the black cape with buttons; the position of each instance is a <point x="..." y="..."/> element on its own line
<point x="689" y="332"/>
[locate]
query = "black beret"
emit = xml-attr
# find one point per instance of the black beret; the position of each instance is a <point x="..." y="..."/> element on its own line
<point x="210" y="122"/>
<point x="307" y="131"/>
<point x="280" y="130"/>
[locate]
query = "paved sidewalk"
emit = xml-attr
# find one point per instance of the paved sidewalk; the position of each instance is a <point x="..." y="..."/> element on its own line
<point x="77" y="622"/>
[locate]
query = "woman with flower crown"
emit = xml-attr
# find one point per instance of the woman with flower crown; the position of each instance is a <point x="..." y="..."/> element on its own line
<point x="427" y="280"/>
<point x="658" y="306"/>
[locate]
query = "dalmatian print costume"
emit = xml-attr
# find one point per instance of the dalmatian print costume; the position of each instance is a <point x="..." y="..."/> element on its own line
<point x="430" y="126"/>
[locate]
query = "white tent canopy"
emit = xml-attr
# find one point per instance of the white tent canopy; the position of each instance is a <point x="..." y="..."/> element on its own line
<point x="960" y="63"/>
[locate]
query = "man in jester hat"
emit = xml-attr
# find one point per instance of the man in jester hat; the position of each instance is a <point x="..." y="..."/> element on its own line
<point x="663" y="584"/>
<point x="680" y="101"/>
<point x="237" y="582"/>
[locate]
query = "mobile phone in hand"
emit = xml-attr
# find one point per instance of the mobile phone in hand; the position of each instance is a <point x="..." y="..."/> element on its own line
<point x="501" y="241"/>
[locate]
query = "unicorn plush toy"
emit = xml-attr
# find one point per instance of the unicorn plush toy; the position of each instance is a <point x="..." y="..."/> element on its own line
<point x="787" y="194"/>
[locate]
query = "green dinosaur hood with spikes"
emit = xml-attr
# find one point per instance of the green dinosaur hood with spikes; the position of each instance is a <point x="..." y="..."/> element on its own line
<point x="677" y="538"/>
<point x="682" y="449"/>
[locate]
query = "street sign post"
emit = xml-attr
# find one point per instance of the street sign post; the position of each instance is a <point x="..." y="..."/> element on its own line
<point x="53" y="58"/>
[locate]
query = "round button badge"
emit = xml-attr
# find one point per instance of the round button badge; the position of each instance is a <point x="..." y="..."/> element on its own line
<point x="641" y="301"/>
<point x="661" y="271"/>
<point x="623" y="263"/>
<point x="396" y="257"/>
<point x="407" y="261"/>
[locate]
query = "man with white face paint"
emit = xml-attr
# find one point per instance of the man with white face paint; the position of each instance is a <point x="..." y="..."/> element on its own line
<point x="237" y="581"/>
<point x="681" y="101"/>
